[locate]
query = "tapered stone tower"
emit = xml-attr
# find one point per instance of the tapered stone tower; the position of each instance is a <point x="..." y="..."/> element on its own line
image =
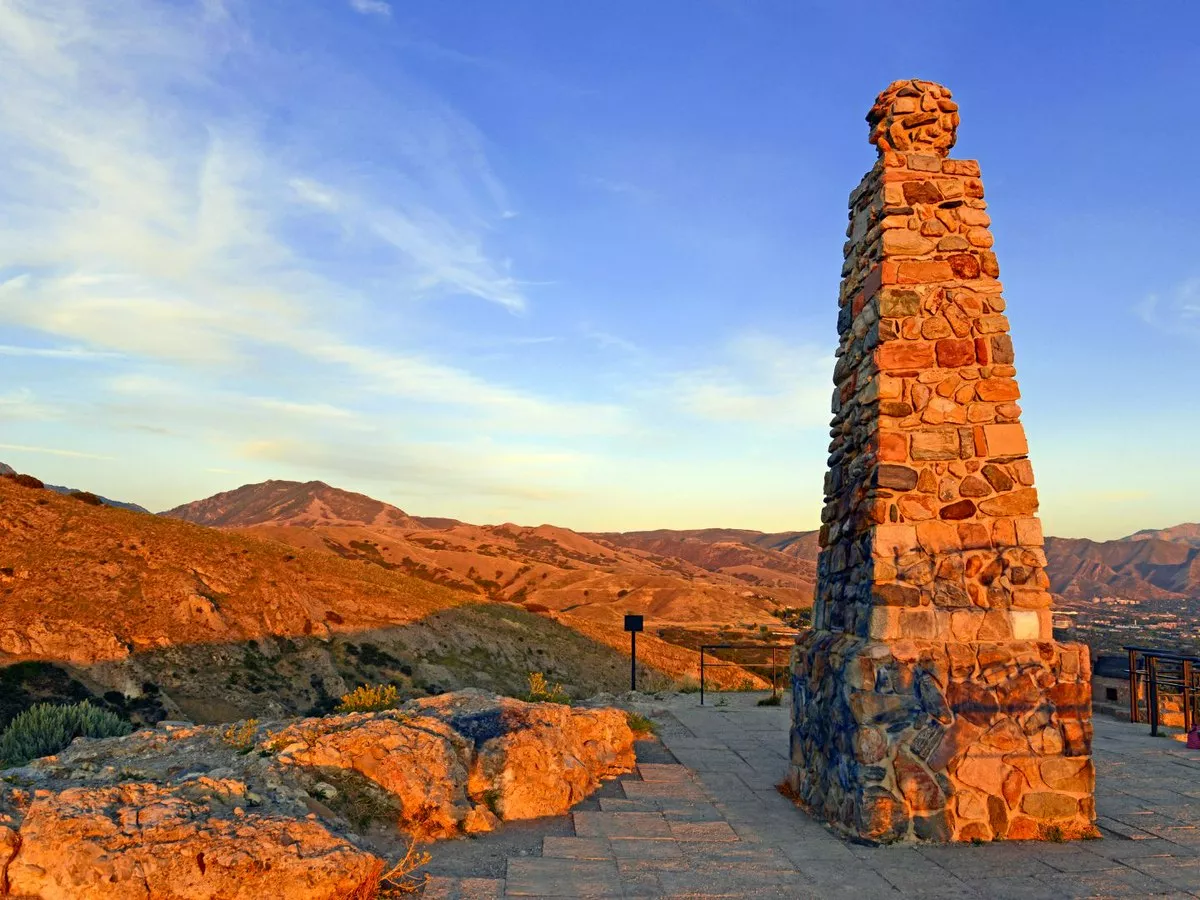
<point x="931" y="701"/>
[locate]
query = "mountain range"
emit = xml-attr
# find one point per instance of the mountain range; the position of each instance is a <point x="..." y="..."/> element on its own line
<point x="297" y="573"/>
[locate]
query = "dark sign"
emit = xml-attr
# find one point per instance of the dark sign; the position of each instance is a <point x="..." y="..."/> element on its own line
<point x="633" y="623"/>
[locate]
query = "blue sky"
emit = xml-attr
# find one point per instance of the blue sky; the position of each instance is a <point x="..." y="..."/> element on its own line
<point x="567" y="262"/>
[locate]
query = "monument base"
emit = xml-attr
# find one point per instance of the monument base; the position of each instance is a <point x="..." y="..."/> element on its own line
<point x="943" y="741"/>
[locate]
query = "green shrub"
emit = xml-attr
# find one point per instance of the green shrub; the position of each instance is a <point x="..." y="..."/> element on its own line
<point x="44" y="729"/>
<point x="640" y="725"/>
<point x="773" y="700"/>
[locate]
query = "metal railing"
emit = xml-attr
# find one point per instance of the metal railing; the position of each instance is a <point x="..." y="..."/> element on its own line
<point x="773" y="665"/>
<point x="1159" y="672"/>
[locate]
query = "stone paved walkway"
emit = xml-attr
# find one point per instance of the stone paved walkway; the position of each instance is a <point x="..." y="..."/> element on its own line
<point x="709" y="823"/>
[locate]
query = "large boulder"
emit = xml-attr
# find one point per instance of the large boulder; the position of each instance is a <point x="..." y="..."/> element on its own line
<point x="184" y="812"/>
<point x="143" y="840"/>
<point x="465" y="760"/>
<point x="533" y="759"/>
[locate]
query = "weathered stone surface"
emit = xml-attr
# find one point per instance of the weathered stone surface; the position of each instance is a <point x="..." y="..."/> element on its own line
<point x="187" y="812"/>
<point x="138" y="840"/>
<point x="930" y="701"/>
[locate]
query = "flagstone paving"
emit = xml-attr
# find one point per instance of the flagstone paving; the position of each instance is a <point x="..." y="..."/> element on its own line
<point x="701" y="818"/>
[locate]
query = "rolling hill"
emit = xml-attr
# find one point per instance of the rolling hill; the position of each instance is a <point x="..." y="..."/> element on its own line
<point x="214" y="624"/>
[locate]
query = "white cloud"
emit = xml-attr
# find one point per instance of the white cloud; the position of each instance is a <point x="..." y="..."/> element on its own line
<point x="761" y="380"/>
<point x="53" y="451"/>
<point x="64" y="353"/>
<point x="139" y="226"/>
<point x="371" y="7"/>
<point x="20" y="404"/>
<point x="1176" y="312"/>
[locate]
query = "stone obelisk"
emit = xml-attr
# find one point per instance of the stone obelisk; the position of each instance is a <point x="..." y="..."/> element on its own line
<point x="931" y="701"/>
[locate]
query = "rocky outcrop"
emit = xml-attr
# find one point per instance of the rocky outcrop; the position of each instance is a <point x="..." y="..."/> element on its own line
<point x="139" y="840"/>
<point x="301" y="809"/>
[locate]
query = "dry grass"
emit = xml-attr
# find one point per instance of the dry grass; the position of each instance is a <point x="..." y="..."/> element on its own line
<point x="402" y="878"/>
<point x="541" y="691"/>
<point x="240" y="735"/>
<point x="369" y="698"/>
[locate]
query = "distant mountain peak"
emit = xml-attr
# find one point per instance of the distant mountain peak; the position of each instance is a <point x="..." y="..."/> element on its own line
<point x="1186" y="533"/>
<point x="277" y="502"/>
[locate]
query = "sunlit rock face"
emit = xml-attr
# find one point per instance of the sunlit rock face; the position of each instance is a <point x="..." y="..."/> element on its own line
<point x="930" y="701"/>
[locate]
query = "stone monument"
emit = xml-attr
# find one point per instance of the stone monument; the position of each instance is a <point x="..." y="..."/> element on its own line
<point x="931" y="702"/>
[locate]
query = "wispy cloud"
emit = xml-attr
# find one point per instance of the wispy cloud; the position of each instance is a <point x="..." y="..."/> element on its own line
<point x="21" y="404"/>
<point x="1176" y="311"/>
<point x="64" y="353"/>
<point x="371" y="7"/>
<point x="760" y="379"/>
<point x="141" y="228"/>
<point x="53" y="451"/>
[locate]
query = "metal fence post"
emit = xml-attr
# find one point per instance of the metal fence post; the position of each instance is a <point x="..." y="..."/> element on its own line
<point x="702" y="676"/>
<point x="1152" y="693"/>
<point x="1134" y="715"/>
<point x="1189" y="714"/>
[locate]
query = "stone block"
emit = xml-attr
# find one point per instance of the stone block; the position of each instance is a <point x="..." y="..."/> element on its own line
<point x="935" y="444"/>
<point x="1005" y="440"/>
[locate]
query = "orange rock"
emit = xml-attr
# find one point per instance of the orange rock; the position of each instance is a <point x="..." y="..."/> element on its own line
<point x="935" y="444"/>
<point x="917" y="507"/>
<point x="142" y="840"/>
<point x="953" y="353"/>
<point x="905" y="243"/>
<point x="995" y="389"/>
<point x="1029" y="532"/>
<point x="1023" y="828"/>
<point x="1068" y="774"/>
<point x="960" y="509"/>
<point x="1005" y="440"/>
<point x="905" y="355"/>
<point x="1021" y="502"/>
<point x="1048" y="805"/>
<point x="983" y="769"/>
<point x="893" y="446"/>
<point x="923" y="271"/>
<point x="937" y="537"/>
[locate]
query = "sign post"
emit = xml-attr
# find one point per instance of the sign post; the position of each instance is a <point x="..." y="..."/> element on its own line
<point x="633" y="624"/>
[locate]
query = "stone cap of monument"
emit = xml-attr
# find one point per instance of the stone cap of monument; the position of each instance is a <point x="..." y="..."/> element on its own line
<point x="914" y="115"/>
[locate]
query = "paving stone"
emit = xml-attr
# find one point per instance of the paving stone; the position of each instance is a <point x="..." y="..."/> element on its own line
<point x="655" y="772"/>
<point x="439" y="887"/>
<point x="547" y="877"/>
<point x="577" y="848"/>
<point x="763" y="857"/>
<point x="1109" y="883"/>
<point x="662" y="790"/>
<point x="646" y="849"/>
<point x="1008" y="887"/>
<point x="733" y="880"/>
<point x="702" y="831"/>
<point x="622" y="825"/>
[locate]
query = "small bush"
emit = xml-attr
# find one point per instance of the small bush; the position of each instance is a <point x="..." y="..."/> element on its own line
<point x="773" y="700"/>
<point x="368" y="698"/>
<point x="540" y="690"/>
<point x="640" y="725"/>
<point x="688" y="685"/>
<point x="27" y="481"/>
<point x="402" y="877"/>
<point x="240" y="735"/>
<point x="86" y="497"/>
<point x="45" y="729"/>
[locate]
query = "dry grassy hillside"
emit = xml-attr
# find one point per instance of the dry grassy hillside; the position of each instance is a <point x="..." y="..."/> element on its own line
<point x="544" y="568"/>
<point x="214" y="625"/>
